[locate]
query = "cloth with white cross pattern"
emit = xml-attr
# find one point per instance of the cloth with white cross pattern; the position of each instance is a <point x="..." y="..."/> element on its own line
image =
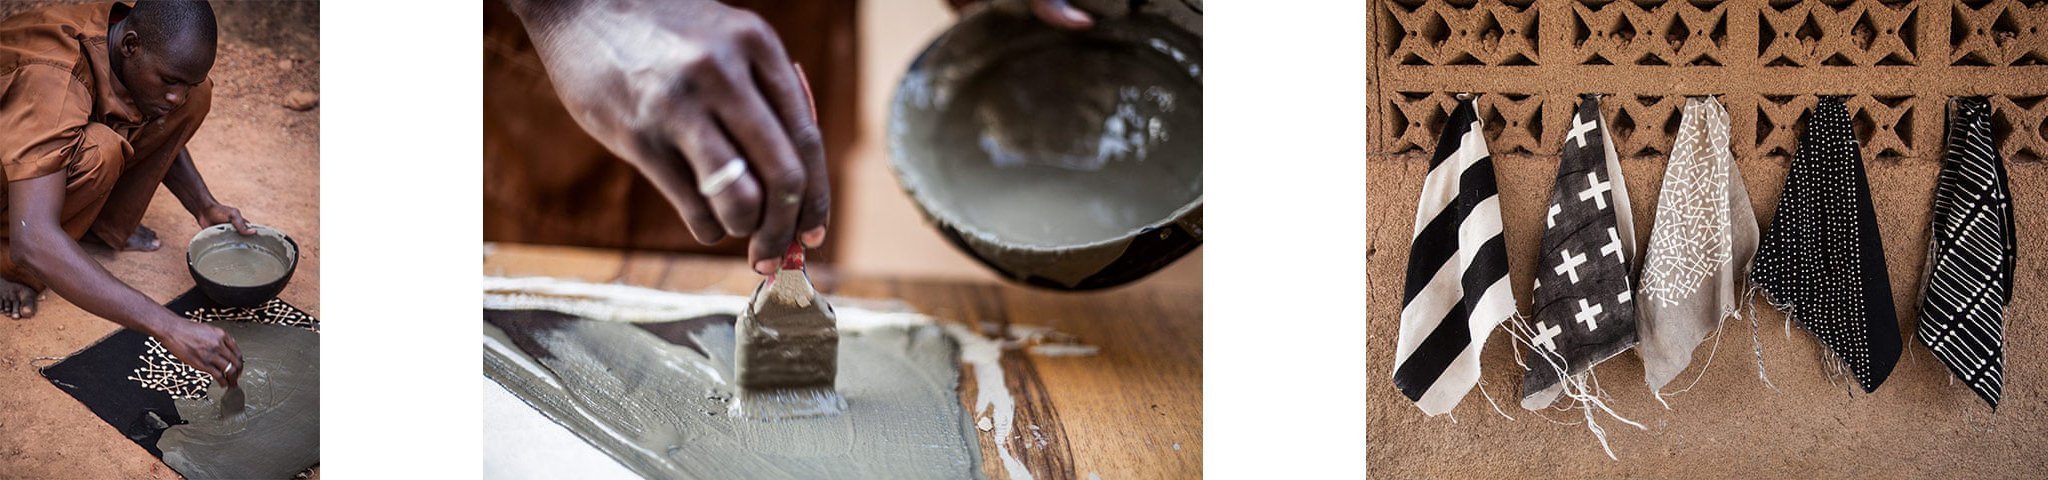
<point x="1585" y="310"/>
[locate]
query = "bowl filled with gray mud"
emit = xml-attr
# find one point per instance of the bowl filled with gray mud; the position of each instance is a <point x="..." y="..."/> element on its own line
<point x="1069" y="160"/>
<point x="238" y="270"/>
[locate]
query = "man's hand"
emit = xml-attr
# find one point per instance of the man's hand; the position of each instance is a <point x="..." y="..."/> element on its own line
<point x="1057" y="13"/>
<point x="202" y="346"/>
<point x="217" y="214"/>
<point x="703" y="101"/>
<point x="45" y="250"/>
<point x="184" y="181"/>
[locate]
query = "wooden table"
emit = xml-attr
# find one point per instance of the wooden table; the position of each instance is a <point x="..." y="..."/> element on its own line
<point x="1134" y="410"/>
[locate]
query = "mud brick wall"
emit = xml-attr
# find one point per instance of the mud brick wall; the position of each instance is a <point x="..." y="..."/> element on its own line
<point x="1899" y="62"/>
<point x="1768" y="61"/>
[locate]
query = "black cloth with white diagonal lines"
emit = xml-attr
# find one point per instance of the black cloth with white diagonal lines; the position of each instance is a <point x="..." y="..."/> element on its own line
<point x="1457" y="290"/>
<point x="1822" y="260"/>
<point x="1970" y="261"/>
<point x="1585" y="311"/>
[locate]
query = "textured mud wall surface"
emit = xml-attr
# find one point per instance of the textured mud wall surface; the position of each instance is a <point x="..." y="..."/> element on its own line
<point x="1768" y="60"/>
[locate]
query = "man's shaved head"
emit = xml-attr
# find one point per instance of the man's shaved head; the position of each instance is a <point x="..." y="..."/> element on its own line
<point x="175" y="28"/>
<point x="163" y="48"/>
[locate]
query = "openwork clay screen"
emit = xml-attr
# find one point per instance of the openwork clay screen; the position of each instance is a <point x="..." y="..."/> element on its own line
<point x="1898" y="62"/>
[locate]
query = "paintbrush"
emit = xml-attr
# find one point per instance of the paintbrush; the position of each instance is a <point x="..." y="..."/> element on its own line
<point x="232" y="400"/>
<point x="787" y="348"/>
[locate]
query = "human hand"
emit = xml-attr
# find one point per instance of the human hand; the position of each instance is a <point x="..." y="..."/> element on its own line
<point x="203" y="347"/>
<point x="704" y="102"/>
<point x="1057" y="13"/>
<point x="217" y="214"/>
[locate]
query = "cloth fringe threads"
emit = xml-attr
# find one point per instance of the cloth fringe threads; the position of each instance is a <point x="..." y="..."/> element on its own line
<point x="1582" y="390"/>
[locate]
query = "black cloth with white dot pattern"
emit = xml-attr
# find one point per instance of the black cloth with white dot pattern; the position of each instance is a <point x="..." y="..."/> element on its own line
<point x="1822" y="261"/>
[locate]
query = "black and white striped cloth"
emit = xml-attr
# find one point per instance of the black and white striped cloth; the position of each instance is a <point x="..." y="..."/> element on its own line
<point x="1457" y="285"/>
<point x="1585" y="300"/>
<point x="1822" y="260"/>
<point x="1970" y="261"/>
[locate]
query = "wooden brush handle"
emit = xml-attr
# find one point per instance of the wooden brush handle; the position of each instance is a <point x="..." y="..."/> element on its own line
<point x="794" y="258"/>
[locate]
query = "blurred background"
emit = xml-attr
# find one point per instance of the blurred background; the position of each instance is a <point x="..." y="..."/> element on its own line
<point x="568" y="190"/>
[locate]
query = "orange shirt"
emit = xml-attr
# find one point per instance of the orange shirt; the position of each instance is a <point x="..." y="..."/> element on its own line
<point x="54" y="79"/>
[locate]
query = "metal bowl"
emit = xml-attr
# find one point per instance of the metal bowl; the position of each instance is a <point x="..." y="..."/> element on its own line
<point x="230" y="267"/>
<point x="1060" y="159"/>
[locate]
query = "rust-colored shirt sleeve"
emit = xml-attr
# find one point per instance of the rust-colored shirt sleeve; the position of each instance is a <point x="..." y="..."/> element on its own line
<point x="44" y="110"/>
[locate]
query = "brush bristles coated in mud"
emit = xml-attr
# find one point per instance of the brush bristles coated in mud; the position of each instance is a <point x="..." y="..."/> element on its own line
<point x="788" y="403"/>
<point x="787" y="349"/>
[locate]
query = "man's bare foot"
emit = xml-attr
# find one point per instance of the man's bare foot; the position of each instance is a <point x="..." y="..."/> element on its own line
<point x="17" y="301"/>
<point x="143" y="240"/>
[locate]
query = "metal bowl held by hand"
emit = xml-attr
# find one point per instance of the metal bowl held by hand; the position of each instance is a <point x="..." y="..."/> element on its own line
<point x="1062" y="159"/>
<point x="241" y="271"/>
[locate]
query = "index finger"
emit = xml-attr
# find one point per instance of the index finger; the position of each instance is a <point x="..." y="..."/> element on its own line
<point x="241" y="226"/>
<point x="788" y="93"/>
<point x="817" y="208"/>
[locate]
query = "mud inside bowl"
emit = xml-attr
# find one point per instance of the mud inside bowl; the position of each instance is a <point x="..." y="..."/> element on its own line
<point x="241" y="270"/>
<point x="1062" y="159"/>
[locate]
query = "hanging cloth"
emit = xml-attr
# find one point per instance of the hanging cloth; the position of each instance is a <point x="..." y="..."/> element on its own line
<point x="1822" y="260"/>
<point x="1457" y="289"/>
<point x="1700" y="246"/>
<point x="1585" y="310"/>
<point x="1971" y="257"/>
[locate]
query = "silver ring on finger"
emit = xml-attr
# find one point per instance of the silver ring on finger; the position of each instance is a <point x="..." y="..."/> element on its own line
<point x="717" y="181"/>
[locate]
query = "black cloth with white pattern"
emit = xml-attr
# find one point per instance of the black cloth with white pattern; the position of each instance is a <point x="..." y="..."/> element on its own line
<point x="103" y="376"/>
<point x="1970" y="261"/>
<point x="1822" y="261"/>
<point x="1585" y="311"/>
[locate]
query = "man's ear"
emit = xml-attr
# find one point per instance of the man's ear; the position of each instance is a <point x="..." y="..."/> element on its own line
<point x="130" y="44"/>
